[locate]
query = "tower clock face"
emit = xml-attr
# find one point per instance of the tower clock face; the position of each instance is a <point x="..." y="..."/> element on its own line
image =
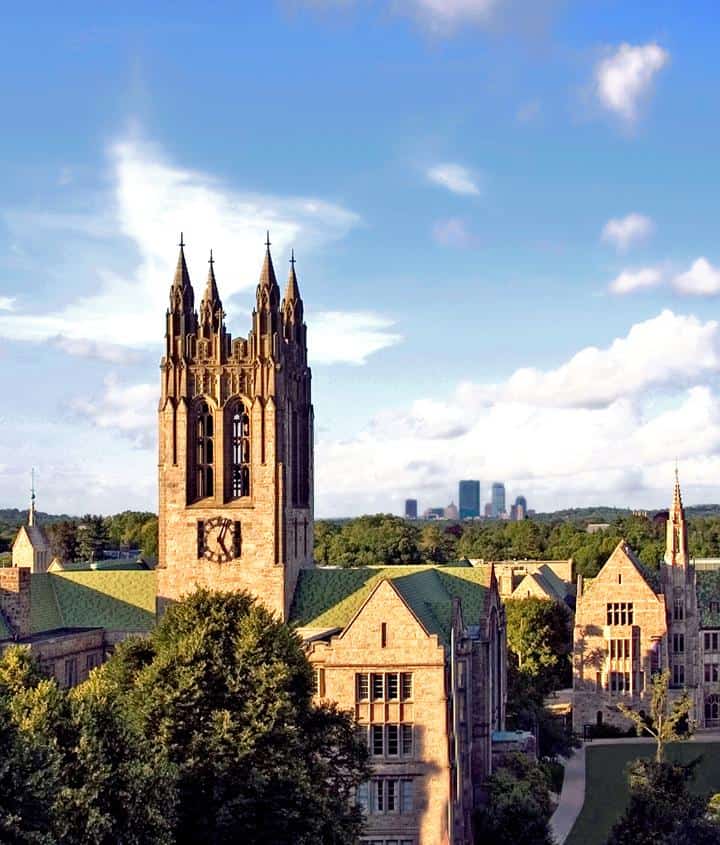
<point x="219" y="540"/>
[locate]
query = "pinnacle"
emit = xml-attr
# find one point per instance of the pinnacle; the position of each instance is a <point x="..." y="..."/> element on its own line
<point x="182" y="276"/>
<point x="211" y="291"/>
<point x="267" y="274"/>
<point x="292" y="291"/>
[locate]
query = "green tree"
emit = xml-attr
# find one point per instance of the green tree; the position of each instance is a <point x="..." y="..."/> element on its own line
<point x="149" y="538"/>
<point x="668" y="722"/>
<point x="223" y="691"/>
<point x="437" y="545"/>
<point x="64" y="540"/>
<point x="92" y="537"/>
<point x="662" y="811"/>
<point x="518" y="808"/>
<point x="539" y="637"/>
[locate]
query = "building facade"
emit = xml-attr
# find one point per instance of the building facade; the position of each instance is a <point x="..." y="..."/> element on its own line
<point x="417" y="653"/>
<point x="631" y="623"/>
<point x="411" y="509"/>
<point x="497" y="500"/>
<point x="469" y="499"/>
<point x="235" y="444"/>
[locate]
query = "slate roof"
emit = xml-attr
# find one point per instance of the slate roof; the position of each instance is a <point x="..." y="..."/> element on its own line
<point x="329" y="598"/>
<point x="116" y="600"/>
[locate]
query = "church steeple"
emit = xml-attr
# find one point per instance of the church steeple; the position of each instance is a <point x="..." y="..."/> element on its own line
<point x="266" y="317"/>
<point x="31" y="512"/>
<point x="211" y="310"/>
<point x="676" y="543"/>
<point x="268" y="292"/>
<point x="181" y="319"/>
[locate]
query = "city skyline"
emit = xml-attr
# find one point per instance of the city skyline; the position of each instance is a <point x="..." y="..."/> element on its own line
<point x="559" y="206"/>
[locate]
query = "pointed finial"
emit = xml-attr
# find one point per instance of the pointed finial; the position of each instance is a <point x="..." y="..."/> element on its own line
<point x="212" y="260"/>
<point x="267" y="238"/>
<point x="292" y="258"/>
<point x="182" y="241"/>
<point x="31" y="512"/>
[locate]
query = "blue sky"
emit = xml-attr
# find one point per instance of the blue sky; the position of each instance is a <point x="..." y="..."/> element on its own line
<point x="504" y="214"/>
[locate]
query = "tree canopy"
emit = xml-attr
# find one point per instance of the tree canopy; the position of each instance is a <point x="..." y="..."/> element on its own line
<point x="204" y="732"/>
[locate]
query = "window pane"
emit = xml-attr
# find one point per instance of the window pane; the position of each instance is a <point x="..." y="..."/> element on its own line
<point x="377" y="686"/>
<point x="407" y="796"/>
<point x="392" y="686"/>
<point x="392" y="795"/>
<point x="392" y="740"/>
<point x="362" y="686"/>
<point x="377" y="740"/>
<point x="407" y="685"/>
<point x="407" y="740"/>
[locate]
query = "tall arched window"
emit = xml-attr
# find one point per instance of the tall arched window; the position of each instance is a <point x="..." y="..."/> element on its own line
<point x="240" y="448"/>
<point x="204" y="455"/>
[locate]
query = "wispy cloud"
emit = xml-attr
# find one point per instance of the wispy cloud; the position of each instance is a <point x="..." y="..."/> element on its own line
<point x="153" y="200"/>
<point x="631" y="280"/>
<point x="454" y="177"/>
<point x="453" y="232"/>
<point x="622" y="232"/>
<point x="624" y="78"/>
<point x="7" y="303"/>
<point x="129" y="409"/>
<point x="347" y="337"/>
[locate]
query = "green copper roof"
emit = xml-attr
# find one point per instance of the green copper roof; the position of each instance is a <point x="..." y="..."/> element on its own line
<point x="329" y="598"/>
<point x="117" y="600"/>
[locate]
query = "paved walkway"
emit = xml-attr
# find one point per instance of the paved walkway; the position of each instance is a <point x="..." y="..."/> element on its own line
<point x="572" y="796"/>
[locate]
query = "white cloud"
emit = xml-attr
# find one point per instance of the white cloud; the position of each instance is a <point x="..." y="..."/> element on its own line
<point x="7" y="303"/>
<point x="153" y="201"/>
<point x="702" y="279"/>
<point x="452" y="232"/>
<point x="130" y="409"/>
<point x="347" y="337"/>
<point x="622" y="232"/>
<point x="605" y="427"/>
<point x="111" y="352"/>
<point x="445" y="15"/>
<point x="455" y="178"/>
<point x="624" y="78"/>
<point x="632" y="280"/>
<point x="670" y="349"/>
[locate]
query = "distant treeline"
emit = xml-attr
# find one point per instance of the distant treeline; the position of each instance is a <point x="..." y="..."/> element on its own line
<point x="385" y="539"/>
<point x="89" y="536"/>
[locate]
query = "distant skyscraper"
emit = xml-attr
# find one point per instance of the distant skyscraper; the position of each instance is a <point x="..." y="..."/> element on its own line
<point x="451" y="511"/>
<point x="469" y="499"/>
<point x="520" y="508"/>
<point x="497" y="499"/>
<point x="410" y="508"/>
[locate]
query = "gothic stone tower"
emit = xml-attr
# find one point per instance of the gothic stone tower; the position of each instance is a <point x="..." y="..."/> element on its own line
<point x="235" y="444"/>
<point x="679" y="586"/>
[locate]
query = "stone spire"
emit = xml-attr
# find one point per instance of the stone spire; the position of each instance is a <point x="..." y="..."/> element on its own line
<point x="292" y="304"/>
<point x="676" y="543"/>
<point x="182" y="296"/>
<point x="268" y="291"/>
<point x="211" y="310"/>
<point x="31" y="512"/>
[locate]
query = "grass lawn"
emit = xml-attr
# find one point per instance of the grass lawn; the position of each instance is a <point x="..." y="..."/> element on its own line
<point x="606" y="790"/>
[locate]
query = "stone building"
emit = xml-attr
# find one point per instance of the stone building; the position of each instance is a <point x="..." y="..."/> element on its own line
<point x="631" y="623"/>
<point x="235" y="444"/>
<point x="418" y="654"/>
<point x="31" y="548"/>
<point x="543" y="579"/>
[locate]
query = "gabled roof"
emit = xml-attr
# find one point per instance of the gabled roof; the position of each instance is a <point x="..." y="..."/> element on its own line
<point x="37" y="537"/>
<point x="622" y="553"/>
<point x="116" y="600"/>
<point x="329" y="598"/>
